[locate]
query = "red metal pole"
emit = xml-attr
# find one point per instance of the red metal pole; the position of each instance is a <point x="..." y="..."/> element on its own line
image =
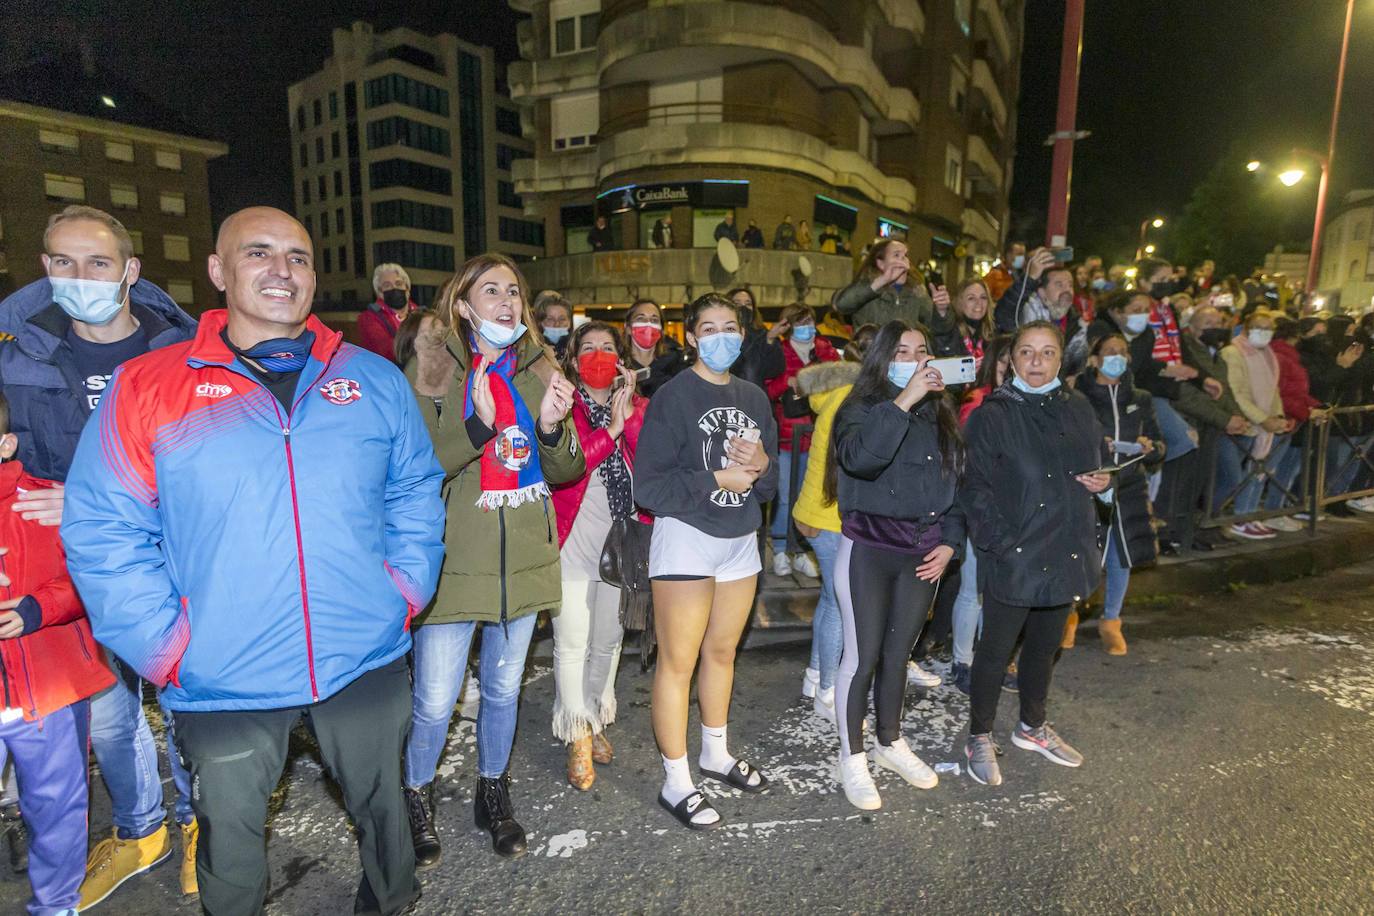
<point x="1315" y="259"/>
<point x="1057" y="227"/>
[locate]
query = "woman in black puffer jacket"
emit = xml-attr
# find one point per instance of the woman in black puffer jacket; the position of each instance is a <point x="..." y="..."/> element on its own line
<point x="1029" y="508"/>
<point x="1129" y="419"/>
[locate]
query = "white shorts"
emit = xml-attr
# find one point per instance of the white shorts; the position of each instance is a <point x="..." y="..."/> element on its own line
<point x="678" y="549"/>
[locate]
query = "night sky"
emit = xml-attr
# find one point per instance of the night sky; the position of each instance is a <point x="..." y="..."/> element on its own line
<point x="1168" y="87"/>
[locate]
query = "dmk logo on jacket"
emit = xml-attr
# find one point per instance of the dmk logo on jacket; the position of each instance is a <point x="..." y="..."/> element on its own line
<point x="721" y="425"/>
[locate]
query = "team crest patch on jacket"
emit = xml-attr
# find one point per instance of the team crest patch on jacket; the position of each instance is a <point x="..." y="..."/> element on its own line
<point x="341" y="391"/>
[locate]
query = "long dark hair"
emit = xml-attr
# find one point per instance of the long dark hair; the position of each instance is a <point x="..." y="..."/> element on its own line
<point x="872" y="387"/>
<point x="404" y="346"/>
<point x="993" y="352"/>
<point x="699" y="305"/>
<point x="659" y="348"/>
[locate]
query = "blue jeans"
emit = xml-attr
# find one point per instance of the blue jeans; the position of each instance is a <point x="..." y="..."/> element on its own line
<point x="441" y="661"/>
<point x="1233" y="454"/>
<point x="827" y="637"/>
<point x="123" y="745"/>
<point x="1174" y="429"/>
<point x="967" y="613"/>
<point x="1339" y="477"/>
<point x="1285" y="464"/>
<point x="782" y="504"/>
<point x="1118" y="578"/>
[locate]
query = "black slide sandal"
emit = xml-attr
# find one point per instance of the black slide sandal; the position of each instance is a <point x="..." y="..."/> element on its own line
<point x="689" y="808"/>
<point x="738" y="777"/>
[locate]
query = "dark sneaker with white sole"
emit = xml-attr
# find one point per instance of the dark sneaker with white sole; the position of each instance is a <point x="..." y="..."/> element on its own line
<point x="1046" y="742"/>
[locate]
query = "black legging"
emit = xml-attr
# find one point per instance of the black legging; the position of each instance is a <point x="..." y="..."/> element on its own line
<point x="1002" y="624"/>
<point x="882" y="608"/>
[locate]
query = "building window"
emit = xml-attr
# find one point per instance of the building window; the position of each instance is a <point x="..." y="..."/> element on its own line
<point x="300" y="117"/>
<point x="169" y="159"/>
<point x="176" y="248"/>
<point x="321" y="185"/>
<point x="305" y="190"/>
<point x="520" y="231"/>
<point x="123" y="197"/>
<point x="574" y="24"/>
<point x="309" y="224"/>
<point x="575" y="119"/>
<point x="319" y="150"/>
<point x="954" y="169"/>
<point x="963" y="14"/>
<point x="405" y="132"/>
<point x="389" y="213"/>
<point x="508" y="122"/>
<point x="305" y="155"/>
<point x="333" y="106"/>
<point x="338" y="184"/>
<point x="505" y="155"/>
<point x="343" y="258"/>
<point x="334" y="146"/>
<point x="181" y="291"/>
<point x="136" y="236"/>
<point x="339" y="221"/>
<point x="391" y="173"/>
<point x="318" y="111"/>
<point x="64" y="187"/>
<point x="324" y="225"/>
<point x="59" y="141"/>
<point x="958" y="89"/>
<point x="420" y="255"/>
<point x="506" y="196"/>
<point x="118" y="151"/>
<point x="173" y="202"/>
<point x="329" y="260"/>
<point x="402" y="89"/>
<point x="472" y="154"/>
<point x="686" y="101"/>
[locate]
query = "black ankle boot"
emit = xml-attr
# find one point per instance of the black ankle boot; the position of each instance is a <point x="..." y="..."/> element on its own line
<point x="420" y="808"/>
<point x="493" y="813"/>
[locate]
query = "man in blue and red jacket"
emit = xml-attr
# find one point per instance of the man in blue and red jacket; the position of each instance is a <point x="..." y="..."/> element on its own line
<point x="252" y="519"/>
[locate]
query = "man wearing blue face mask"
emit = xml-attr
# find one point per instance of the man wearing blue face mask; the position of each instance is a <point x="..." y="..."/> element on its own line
<point x="71" y="329"/>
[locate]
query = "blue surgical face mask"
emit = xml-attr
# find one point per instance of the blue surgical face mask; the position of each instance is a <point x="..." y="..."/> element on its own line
<point x="804" y="332"/>
<point x="1137" y="323"/>
<point x="1021" y="385"/>
<point x="900" y="374"/>
<point x="720" y="350"/>
<point x="1018" y="262"/>
<point x="1114" y="366"/>
<point x="89" y="301"/>
<point x="500" y="336"/>
<point x="1100" y="284"/>
<point x="554" y="335"/>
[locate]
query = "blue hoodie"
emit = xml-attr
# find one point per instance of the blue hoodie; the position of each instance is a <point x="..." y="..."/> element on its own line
<point x="48" y="407"/>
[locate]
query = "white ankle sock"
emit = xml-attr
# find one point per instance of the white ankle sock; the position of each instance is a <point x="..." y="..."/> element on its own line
<point x="677" y="782"/>
<point x="714" y="755"/>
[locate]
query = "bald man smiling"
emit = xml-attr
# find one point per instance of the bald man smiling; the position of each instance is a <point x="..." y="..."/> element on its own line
<point x="253" y="518"/>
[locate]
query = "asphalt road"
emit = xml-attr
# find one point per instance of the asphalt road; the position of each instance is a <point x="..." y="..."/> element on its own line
<point x="1226" y="772"/>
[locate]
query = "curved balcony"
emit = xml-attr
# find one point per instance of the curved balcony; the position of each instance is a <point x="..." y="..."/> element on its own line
<point x="998" y="27"/>
<point x="986" y="83"/>
<point x="717" y="112"/>
<point x="981" y="227"/>
<point x="753" y="145"/>
<point x="530" y="79"/>
<point x="905" y="14"/>
<point x="982" y="164"/>
<point x="561" y="172"/>
<point x="641" y="43"/>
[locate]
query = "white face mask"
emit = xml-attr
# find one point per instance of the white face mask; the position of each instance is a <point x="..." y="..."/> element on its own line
<point x="90" y="301"/>
<point x="1260" y="337"/>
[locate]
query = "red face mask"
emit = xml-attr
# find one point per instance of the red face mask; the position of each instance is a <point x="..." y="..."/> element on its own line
<point x="598" y="368"/>
<point x="645" y="335"/>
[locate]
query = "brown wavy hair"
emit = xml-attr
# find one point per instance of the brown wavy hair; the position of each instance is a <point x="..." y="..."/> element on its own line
<point x="461" y="285"/>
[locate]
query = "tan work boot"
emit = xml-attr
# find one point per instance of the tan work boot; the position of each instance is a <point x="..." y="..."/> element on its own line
<point x="114" y="861"/>
<point x="1112" y="640"/>
<point x="1070" y="631"/>
<point x="190" y="833"/>
<point x="581" y="773"/>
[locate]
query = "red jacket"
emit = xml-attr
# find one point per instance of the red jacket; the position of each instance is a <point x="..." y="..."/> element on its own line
<point x="1294" y="388"/>
<point x="377" y="327"/>
<point x="972" y="401"/>
<point x="822" y="351"/>
<point x="597" y="446"/>
<point x="57" y="661"/>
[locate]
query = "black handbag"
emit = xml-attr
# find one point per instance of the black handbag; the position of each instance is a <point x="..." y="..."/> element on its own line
<point x="625" y="564"/>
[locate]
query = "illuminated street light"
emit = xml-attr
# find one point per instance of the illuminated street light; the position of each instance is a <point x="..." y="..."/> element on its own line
<point x="1158" y="222"/>
<point x="1292" y="177"/>
<point x="1149" y="249"/>
<point x="1252" y="166"/>
<point x="1131" y="272"/>
<point x="1145" y="225"/>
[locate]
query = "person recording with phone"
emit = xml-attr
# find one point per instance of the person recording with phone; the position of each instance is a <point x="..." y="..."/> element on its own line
<point x="895" y="433"/>
<point x="972" y="325"/>
<point x="1034" y="449"/>
<point x="1043" y="293"/>
<point x="1129" y="418"/>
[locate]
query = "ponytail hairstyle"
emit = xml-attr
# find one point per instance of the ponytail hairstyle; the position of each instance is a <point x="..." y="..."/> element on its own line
<point x="872" y="387"/>
<point x="693" y="315"/>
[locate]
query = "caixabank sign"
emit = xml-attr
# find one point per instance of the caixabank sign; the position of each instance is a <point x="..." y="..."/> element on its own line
<point x="709" y="193"/>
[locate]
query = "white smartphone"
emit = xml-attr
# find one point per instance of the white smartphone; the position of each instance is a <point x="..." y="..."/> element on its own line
<point x="751" y="435"/>
<point x="955" y="370"/>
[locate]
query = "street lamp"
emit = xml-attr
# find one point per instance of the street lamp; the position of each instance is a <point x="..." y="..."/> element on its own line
<point x="1145" y="226"/>
<point x="1252" y="166"/>
<point x="1292" y="177"/>
<point x="1157" y="222"/>
<point x="1149" y="249"/>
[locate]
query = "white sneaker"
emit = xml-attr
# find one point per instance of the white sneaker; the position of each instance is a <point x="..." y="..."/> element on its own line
<point x="919" y="676"/>
<point x="1283" y="523"/>
<point x="824" y="705"/>
<point x="858" y="783"/>
<point x="802" y="564"/>
<point x="810" y="681"/>
<point x="1363" y="504"/>
<point x="899" y="758"/>
<point x="782" y="564"/>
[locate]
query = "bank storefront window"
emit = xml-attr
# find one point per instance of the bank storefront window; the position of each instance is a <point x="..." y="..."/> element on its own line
<point x="704" y="223"/>
<point x="832" y="225"/>
<point x="709" y="199"/>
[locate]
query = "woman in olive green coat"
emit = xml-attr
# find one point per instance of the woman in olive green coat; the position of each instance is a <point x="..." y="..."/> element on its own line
<point x="497" y="410"/>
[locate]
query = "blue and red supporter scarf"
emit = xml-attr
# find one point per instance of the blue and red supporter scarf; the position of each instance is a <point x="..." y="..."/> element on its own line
<point x="510" y="469"/>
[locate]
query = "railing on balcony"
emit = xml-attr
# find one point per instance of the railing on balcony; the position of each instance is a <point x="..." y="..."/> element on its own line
<point x="985" y="125"/>
<point x="831" y="16"/>
<point x="718" y="112"/>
